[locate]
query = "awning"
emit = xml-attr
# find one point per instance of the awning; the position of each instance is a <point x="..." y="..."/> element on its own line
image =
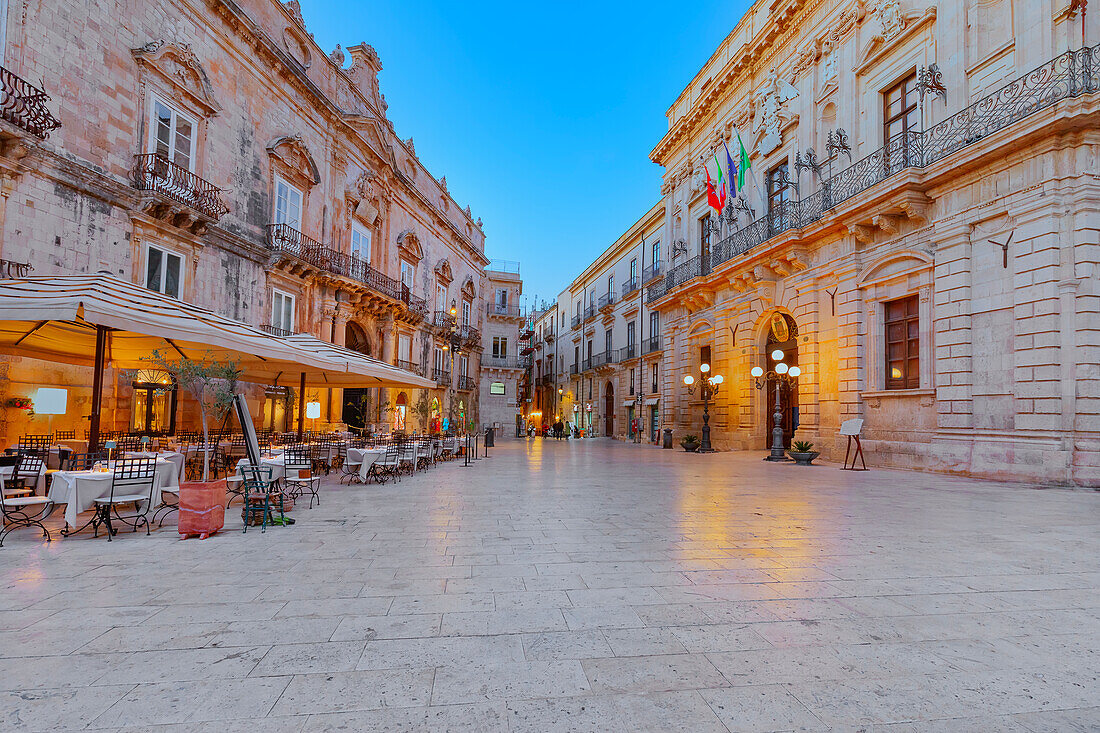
<point x="653" y="400"/>
<point x="362" y="370"/>
<point x="628" y="403"/>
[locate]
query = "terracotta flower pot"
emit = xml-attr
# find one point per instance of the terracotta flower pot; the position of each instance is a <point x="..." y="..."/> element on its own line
<point x="202" y="508"/>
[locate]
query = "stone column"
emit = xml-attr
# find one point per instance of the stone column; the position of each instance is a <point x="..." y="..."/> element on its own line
<point x="951" y="322"/>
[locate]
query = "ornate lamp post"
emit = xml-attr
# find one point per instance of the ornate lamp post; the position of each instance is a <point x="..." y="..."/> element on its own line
<point x="454" y="341"/>
<point x="782" y="375"/>
<point x="708" y="387"/>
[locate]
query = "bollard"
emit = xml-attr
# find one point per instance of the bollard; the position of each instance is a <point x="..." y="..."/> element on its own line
<point x="666" y="439"/>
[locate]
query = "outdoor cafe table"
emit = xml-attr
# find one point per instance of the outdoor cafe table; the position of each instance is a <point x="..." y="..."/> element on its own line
<point x="174" y="457"/>
<point x="365" y="457"/>
<point x="39" y="487"/>
<point x="277" y="464"/>
<point x="78" y="490"/>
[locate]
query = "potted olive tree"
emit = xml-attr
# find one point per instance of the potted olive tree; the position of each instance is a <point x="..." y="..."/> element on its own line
<point x="803" y="452"/>
<point x="690" y="443"/>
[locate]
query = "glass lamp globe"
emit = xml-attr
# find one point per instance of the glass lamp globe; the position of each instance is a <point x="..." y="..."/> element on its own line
<point x="704" y="367"/>
<point x="757" y="371"/>
<point x="794" y="371"/>
<point x="717" y="379"/>
<point x="689" y="380"/>
<point x="777" y="355"/>
<point x="780" y="368"/>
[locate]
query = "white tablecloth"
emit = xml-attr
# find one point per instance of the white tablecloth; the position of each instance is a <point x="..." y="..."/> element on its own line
<point x="276" y="464"/>
<point x="39" y="487"/>
<point x="366" y="457"/>
<point x="171" y="456"/>
<point x="78" y="490"/>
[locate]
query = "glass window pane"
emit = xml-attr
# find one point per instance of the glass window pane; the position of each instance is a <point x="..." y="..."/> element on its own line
<point x="172" y="275"/>
<point x="163" y="132"/>
<point x="155" y="269"/>
<point x="184" y="134"/>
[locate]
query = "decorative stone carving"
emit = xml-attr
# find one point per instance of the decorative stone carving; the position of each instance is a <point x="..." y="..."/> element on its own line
<point x="364" y="69"/>
<point x="337" y="56"/>
<point x="829" y="65"/>
<point x="862" y="233"/>
<point x="412" y="148"/>
<point x="443" y="184"/>
<point x="772" y="114"/>
<point x="297" y="47"/>
<point x="478" y="222"/>
<point x="177" y="65"/>
<point x="887" y="223"/>
<point x="891" y="20"/>
<point x="443" y="272"/>
<point x="295" y="9"/>
<point x="916" y="211"/>
<point x="291" y="154"/>
<point x="409" y="244"/>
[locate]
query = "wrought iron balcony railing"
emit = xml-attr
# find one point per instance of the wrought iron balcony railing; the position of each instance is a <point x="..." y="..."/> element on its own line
<point x="576" y="321"/>
<point x="574" y="369"/>
<point x="630" y="286"/>
<point x="24" y="105"/>
<point x="606" y="300"/>
<point x="651" y="344"/>
<point x="505" y="311"/>
<point x="470" y="335"/>
<point x="590" y="312"/>
<point x="604" y="358"/>
<point x="501" y="362"/>
<point x="285" y="238"/>
<point x="1070" y="75"/>
<point x="586" y="364"/>
<point x="653" y="272"/>
<point x="628" y="352"/>
<point x="153" y="172"/>
<point x="276" y="331"/>
<point x="409" y="366"/>
<point x="465" y="383"/>
<point x="441" y="376"/>
<point x="443" y="320"/>
<point x="10" y="269"/>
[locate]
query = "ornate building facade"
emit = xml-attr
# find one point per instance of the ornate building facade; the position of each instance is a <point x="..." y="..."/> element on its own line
<point x="506" y="360"/>
<point x="613" y="344"/>
<point x="918" y="233"/>
<point x="225" y="159"/>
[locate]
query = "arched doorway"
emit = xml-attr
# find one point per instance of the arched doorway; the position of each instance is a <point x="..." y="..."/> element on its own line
<point x="782" y="337"/>
<point x="609" y="410"/>
<point x="400" y="412"/>
<point x="355" y="338"/>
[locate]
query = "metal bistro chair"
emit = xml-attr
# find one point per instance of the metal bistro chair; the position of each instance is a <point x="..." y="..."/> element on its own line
<point x="260" y="494"/>
<point x="349" y="471"/>
<point x="406" y="457"/>
<point x="133" y="483"/>
<point x="24" y="511"/>
<point x="25" y="475"/>
<point x="64" y="435"/>
<point x="300" y="477"/>
<point x="84" y="461"/>
<point x="387" y="466"/>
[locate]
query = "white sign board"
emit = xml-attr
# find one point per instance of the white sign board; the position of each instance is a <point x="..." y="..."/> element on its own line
<point x="852" y="427"/>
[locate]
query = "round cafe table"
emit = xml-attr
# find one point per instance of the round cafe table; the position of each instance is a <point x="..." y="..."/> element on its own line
<point x="365" y="457"/>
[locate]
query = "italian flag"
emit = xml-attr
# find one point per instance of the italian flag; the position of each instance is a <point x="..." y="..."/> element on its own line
<point x="716" y="192"/>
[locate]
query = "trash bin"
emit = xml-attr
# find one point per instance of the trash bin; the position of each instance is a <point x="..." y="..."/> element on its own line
<point x="666" y="438"/>
<point x="489" y="437"/>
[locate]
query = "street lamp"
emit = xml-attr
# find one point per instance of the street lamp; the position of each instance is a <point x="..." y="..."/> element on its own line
<point x="708" y="387"/>
<point x="782" y="374"/>
<point x="454" y="341"/>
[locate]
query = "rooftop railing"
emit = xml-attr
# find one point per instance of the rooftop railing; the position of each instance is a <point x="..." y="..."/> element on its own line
<point x="1069" y="75"/>
<point x="153" y="172"/>
<point x="504" y="310"/>
<point x="285" y="238"/>
<point x="24" y="105"/>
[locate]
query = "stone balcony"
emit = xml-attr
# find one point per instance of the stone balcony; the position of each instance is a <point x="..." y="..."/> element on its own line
<point x="304" y="256"/>
<point x="23" y="105"/>
<point x="173" y="194"/>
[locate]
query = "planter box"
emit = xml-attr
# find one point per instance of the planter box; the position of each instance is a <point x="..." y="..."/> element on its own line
<point x="202" y="508"/>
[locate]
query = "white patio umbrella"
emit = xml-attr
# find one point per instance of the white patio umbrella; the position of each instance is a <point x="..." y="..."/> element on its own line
<point x="96" y="320"/>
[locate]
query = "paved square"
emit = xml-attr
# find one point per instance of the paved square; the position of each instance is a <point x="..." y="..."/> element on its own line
<point x="577" y="586"/>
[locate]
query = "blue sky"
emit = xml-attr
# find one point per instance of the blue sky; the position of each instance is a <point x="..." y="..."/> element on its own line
<point x="541" y="115"/>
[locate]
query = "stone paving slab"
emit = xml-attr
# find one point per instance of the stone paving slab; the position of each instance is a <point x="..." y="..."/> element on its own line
<point x="577" y="586"/>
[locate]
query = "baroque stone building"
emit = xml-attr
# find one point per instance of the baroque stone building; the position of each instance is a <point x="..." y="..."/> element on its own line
<point x="918" y="232"/>
<point x="212" y="151"/>
<point x="505" y="368"/>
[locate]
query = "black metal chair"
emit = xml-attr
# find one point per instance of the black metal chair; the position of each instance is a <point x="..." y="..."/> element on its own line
<point x="349" y="471"/>
<point x="133" y="483"/>
<point x="24" y="511"/>
<point x="25" y="475"/>
<point x="261" y="494"/>
<point x="300" y="477"/>
<point x="84" y="461"/>
<point x="64" y="435"/>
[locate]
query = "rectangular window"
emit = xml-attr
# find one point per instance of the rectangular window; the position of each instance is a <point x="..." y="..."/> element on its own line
<point x="288" y="205"/>
<point x="777" y="187"/>
<point x="607" y="341"/>
<point x="282" y="311"/>
<point x="500" y="347"/>
<point x="900" y="108"/>
<point x="496" y="388"/>
<point x="163" y="271"/>
<point x="360" y="242"/>
<point x="654" y="379"/>
<point x="441" y="297"/>
<point x="408" y="274"/>
<point x="610" y="285"/>
<point x="172" y="135"/>
<point x="465" y="313"/>
<point x="634" y="269"/>
<point x="902" y="344"/>
<point x="464" y="365"/>
<point x="502" y="299"/>
<point x="704" y="235"/>
<point x="404" y="348"/>
<point x="630" y="333"/>
<point x="704" y="355"/>
<point x="589" y="345"/>
<point x="656" y="252"/>
<point x="654" y="324"/>
<point x="439" y="359"/>
<point x="631" y="381"/>
<point x="577" y="356"/>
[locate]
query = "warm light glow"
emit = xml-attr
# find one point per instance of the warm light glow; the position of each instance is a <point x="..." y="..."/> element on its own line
<point x="444" y="347"/>
<point x="313" y="410"/>
<point x="757" y="371"/>
<point x="895" y="373"/>
<point x="794" y="371"/>
<point x="51" y="401"/>
<point x="717" y="379"/>
<point x="689" y="380"/>
<point x="780" y="368"/>
<point x="777" y="355"/>
<point x="704" y="367"/>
